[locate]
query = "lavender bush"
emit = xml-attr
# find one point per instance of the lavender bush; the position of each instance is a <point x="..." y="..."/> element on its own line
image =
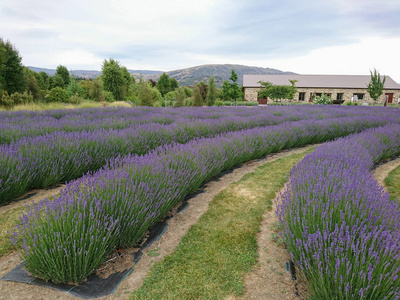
<point x="134" y="192"/>
<point x="340" y="226"/>
<point x="60" y="156"/>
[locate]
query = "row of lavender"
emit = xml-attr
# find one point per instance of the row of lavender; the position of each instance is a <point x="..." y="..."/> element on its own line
<point x="340" y="226"/>
<point x="42" y="161"/>
<point x="66" y="239"/>
<point x="15" y="125"/>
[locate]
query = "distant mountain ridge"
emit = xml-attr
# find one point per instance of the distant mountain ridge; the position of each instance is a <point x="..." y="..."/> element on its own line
<point x="185" y="77"/>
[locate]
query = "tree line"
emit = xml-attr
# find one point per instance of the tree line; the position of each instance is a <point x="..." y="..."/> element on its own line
<point x="20" y="85"/>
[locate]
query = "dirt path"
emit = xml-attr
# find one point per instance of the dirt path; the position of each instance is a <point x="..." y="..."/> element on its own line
<point x="178" y="226"/>
<point x="382" y="171"/>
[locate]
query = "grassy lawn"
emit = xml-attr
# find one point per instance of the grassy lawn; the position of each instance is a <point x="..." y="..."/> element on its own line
<point x="212" y="258"/>
<point x="59" y="105"/>
<point x="393" y="183"/>
<point x="7" y="221"/>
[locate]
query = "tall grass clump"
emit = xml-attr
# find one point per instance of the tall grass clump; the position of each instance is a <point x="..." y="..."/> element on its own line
<point x="341" y="228"/>
<point x="136" y="191"/>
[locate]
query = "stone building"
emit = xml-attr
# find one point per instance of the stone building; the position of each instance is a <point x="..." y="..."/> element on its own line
<point x="342" y="88"/>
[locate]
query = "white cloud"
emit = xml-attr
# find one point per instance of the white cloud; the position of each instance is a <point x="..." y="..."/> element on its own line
<point x="357" y="59"/>
<point x="173" y="34"/>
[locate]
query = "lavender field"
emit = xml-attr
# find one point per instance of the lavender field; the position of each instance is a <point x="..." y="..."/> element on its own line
<point x="127" y="168"/>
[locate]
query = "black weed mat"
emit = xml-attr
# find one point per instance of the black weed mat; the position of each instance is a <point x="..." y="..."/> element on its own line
<point x="94" y="286"/>
<point x="30" y="195"/>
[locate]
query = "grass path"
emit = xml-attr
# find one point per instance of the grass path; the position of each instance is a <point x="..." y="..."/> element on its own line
<point x="212" y="259"/>
<point x="392" y="182"/>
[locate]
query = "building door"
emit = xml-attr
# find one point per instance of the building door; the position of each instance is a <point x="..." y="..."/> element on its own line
<point x="389" y="97"/>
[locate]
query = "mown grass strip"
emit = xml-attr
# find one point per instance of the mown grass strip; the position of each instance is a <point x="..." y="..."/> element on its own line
<point x="7" y="221"/>
<point x="392" y="181"/>
<point x="211" y="260"/>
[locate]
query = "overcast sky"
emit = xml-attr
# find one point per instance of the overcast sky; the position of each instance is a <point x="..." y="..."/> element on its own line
<point x="306" y="37"/>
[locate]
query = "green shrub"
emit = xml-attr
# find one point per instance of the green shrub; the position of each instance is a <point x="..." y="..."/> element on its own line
<point x="170" y="96"/>
<point x="6" y="101"/>
<point x="75" y="88"/>
<point x="24" y="98"/>
<point x="323" y="99"/>
<point x="188" y="101"/>
<point x="188" y="91"/>
<point x="219" y="103"/>
<point x="76" y="99"/>
<point x="108" y="96"/>
<point x="57" y="94"/>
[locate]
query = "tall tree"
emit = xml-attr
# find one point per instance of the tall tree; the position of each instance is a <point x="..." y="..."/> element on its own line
<point x="57" y="81"/>
<point x="197" y="98"/>
<point x="174" y="84"/>
<point x="46" y="79"/>
<point x="203" y="90"/>
<point x="96" y="90"/>
<point x="164" y="84"/>
<point x="113" y="78"/>
<point x="231" y="90"/>
<point x="211" y="92"/>
<point x="277" y="92"/>
<point x="13" y="77"/>
<point x="146" y="96"/>
<point x="33" y="86"/>
<point x="128" y="80"/>
<point x="375" y="87"/>
<point x="179" y="97"/>
<point x="63" y="72"/>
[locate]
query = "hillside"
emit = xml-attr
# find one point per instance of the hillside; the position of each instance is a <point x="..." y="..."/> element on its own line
<point x="191" y="76"/>
<point x="185" y="77"/>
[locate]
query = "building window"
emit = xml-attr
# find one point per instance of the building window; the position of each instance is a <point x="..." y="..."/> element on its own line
<point x="302" y="96"/>
<point x="358" y="97"/>
<point x="339" y="96"/>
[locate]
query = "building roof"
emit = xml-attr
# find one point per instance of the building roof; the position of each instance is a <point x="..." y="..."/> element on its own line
<point x="318" y="81"/>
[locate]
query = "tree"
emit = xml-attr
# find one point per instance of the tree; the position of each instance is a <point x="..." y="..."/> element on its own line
<point x="277" y="92"/>
<point x="211" y="92"/>
<point x="57" y="81"/>
<point x="63" y="72"/>
<point x="164" y="84"/>
<point x="174" y="84"/>
<point x="33" y="86"/>
<point x="128" y="80"/>
<point x="40" y="81"/>
<point x="113" y="78"/>
<point x="323" y="99"/>
<point x="179" y="97"/>
<point x="375" y="87"/>
<point x="197" y="98"/>
<point x="46" y="79"/>
<point x="96" y="90"/>
<point x="57" y="94"/>
<point x="74" y="88"/>
<point x="203" y="90"/>
<point x="13" y="77"/>
<point x="231" y="90"/>
<point x="146" y="95"/>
